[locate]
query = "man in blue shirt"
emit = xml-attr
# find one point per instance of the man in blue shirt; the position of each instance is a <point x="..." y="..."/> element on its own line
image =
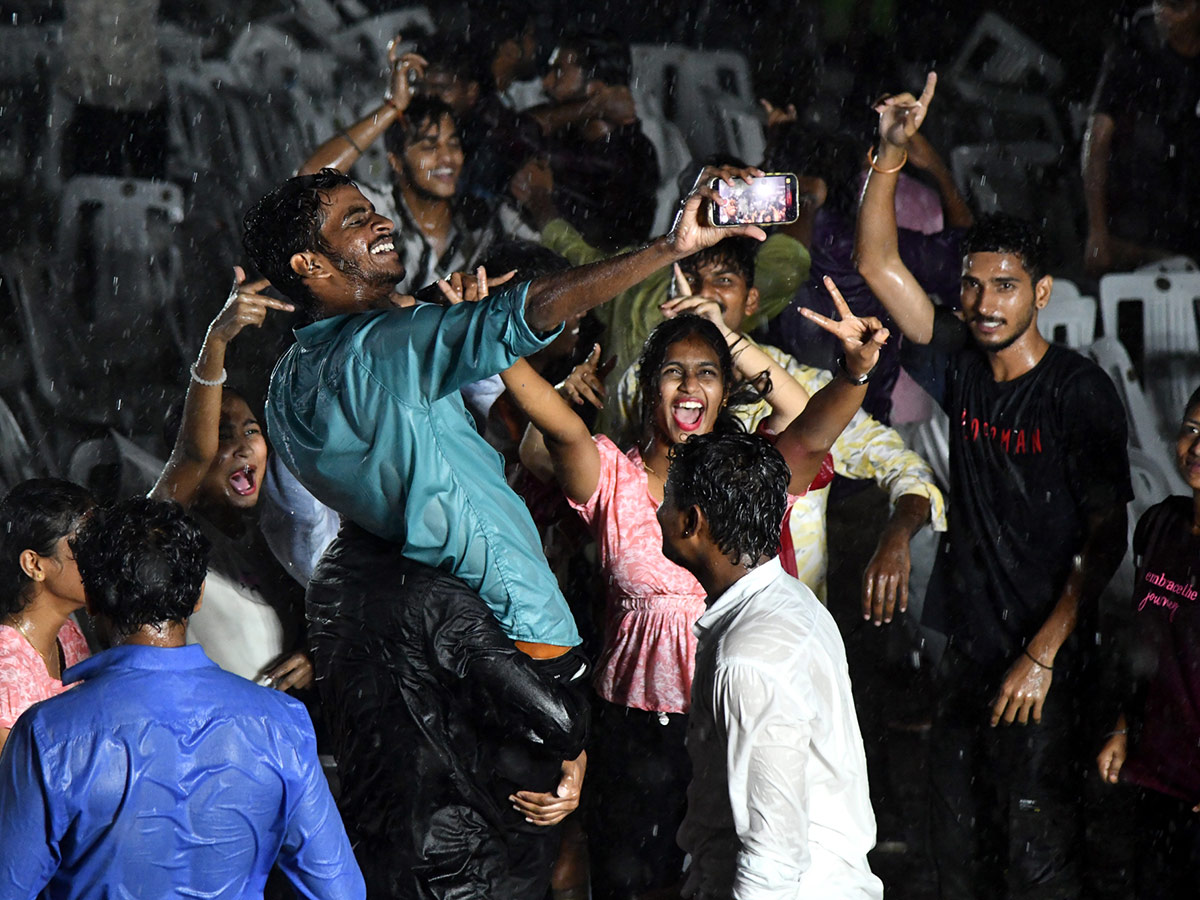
<point x="160" y="775"/>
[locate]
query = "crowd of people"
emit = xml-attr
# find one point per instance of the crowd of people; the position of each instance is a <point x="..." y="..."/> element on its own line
<point x="529" y="530"/>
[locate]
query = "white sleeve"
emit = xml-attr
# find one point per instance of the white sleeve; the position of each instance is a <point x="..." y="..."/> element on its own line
<point x="769" y="732"/>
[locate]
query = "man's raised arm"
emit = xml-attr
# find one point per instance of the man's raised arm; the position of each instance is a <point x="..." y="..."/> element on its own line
<point x="876" y="246"/>
<point x="554" y="298"/>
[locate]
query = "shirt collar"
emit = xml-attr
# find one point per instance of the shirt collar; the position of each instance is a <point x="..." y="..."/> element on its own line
<point x="137" y="656"/>
<point x="320" y="331"/>
<point x="729" y="603"/>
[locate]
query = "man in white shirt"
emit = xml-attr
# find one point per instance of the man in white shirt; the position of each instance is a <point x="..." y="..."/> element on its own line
<point x="778" y="805"/>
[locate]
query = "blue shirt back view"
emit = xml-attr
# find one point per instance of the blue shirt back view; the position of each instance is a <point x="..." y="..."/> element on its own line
<point x="365" y="411"/>
<point x="163" y="776"/>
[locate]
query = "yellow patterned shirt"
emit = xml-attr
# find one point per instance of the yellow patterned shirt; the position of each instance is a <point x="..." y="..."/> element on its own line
<point x="866" y="449"/>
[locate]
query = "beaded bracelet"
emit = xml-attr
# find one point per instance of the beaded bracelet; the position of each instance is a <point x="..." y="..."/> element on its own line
<point x="208" y="382"/>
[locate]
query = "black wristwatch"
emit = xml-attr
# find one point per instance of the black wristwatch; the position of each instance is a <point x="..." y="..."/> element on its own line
<point x="856" y="380"/>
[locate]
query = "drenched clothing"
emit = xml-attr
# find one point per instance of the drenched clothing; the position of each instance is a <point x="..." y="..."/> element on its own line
<point x="437" y="718"/>
<point x="253" y="613"/>
<point x="864" y="450"/>
<point x="1164" y="746"/>
<point x="1152" y="94"/>
<point x="1031" y="460"/>
<point x="651" y="603"/>
<point x="778" y="805"/>
<point x="1005" y="818"/>
<point x="23" y="676"/>
<point x="365" y="411"/>
<point x="605" y="188"/>
<point x="162" y="776"/>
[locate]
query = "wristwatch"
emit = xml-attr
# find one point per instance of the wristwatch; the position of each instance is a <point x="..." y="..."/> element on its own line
<point x="856" y="380"/>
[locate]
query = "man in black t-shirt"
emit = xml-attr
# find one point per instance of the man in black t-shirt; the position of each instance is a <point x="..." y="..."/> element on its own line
<point x="1141" y="152"/>
<point x="1039" y="482"/>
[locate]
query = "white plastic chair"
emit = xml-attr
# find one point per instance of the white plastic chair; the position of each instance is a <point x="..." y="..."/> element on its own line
<point x="1170" y="338"/>
<point x="655" y="72"/>
<point x="1069" y="318"/>
<point x="1171" y="264"/>
<point x="1145" y="434"/>
<point x="997" y="52"/>
<point x="673" y="157"/>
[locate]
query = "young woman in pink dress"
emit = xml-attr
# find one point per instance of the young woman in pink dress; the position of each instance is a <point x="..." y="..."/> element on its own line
<point x="39" y="589"/>
<point x="691" y="369"/>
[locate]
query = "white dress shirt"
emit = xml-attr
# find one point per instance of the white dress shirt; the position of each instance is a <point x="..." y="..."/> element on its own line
<point x="778" y="805"/>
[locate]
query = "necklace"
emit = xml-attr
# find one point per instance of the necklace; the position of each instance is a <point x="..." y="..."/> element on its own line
<point x="21" y="627"/>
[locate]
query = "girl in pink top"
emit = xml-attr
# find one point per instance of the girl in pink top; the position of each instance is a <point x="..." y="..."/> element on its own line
<point x="39" y="589"/>
<point x="638" y="762"/>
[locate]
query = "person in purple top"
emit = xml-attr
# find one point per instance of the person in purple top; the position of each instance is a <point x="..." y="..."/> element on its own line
<point x="1155" y="744"/>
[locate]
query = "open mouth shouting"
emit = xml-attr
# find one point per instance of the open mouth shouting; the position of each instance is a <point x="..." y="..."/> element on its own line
<point x="244" y="481"/>
<point x="688" y="413"/>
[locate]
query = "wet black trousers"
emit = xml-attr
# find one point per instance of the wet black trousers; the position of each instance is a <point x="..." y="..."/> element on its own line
<point x="636" y="797"/>
<point x="421" y="795"/>
<point x="1006" y="818"/>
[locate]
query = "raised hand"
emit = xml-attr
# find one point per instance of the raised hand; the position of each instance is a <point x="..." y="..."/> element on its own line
<point x="464" y="287"/>
<point x="900" y="115"/>
<point x="406" y="67"/>
<point x="586" y="381"/>
<point x="692" y="233"/>
<point x="861" y="339"/>
<point x="778" y="115"/>
<point x="684" y="301"/>
<point x="245" y="306"/>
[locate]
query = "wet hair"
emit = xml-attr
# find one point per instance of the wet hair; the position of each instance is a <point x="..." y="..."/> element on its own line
<point x="1002" y="233"/>
<point x="654" y="353"/>
<point x="173" y="420"/>
<point x="288" y="221"/>
<point x="602" y="57"/>
<point x="736" y="253"/>
<point x="33" y="516"/>
<point x="142" y="562"/>
<point x="1193" y="401"/>
<point x="422" y="112"/>
<point x="530" y="260"/>
<point x="739" y="482"/>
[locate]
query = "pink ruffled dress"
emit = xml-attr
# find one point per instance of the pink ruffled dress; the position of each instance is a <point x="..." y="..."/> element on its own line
<point x="651" y="603"/>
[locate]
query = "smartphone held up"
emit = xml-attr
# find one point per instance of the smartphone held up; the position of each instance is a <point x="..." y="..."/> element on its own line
<point x="771" y="199"/>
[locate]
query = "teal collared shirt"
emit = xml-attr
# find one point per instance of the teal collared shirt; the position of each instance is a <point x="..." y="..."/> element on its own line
<point x="364" y="410"/>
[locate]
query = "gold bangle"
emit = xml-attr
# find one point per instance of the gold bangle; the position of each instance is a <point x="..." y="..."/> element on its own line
<point x="871" y="163"/>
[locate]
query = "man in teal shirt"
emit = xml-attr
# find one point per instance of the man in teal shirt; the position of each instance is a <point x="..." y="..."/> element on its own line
<point x="364" y="409"/>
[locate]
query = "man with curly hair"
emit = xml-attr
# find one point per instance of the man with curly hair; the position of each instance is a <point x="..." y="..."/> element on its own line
<point x="160" y="774"/>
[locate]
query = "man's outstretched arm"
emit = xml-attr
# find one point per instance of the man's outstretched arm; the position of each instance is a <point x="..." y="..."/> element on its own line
<point x="876" y="246"/>
<point x="554" y="298"/>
